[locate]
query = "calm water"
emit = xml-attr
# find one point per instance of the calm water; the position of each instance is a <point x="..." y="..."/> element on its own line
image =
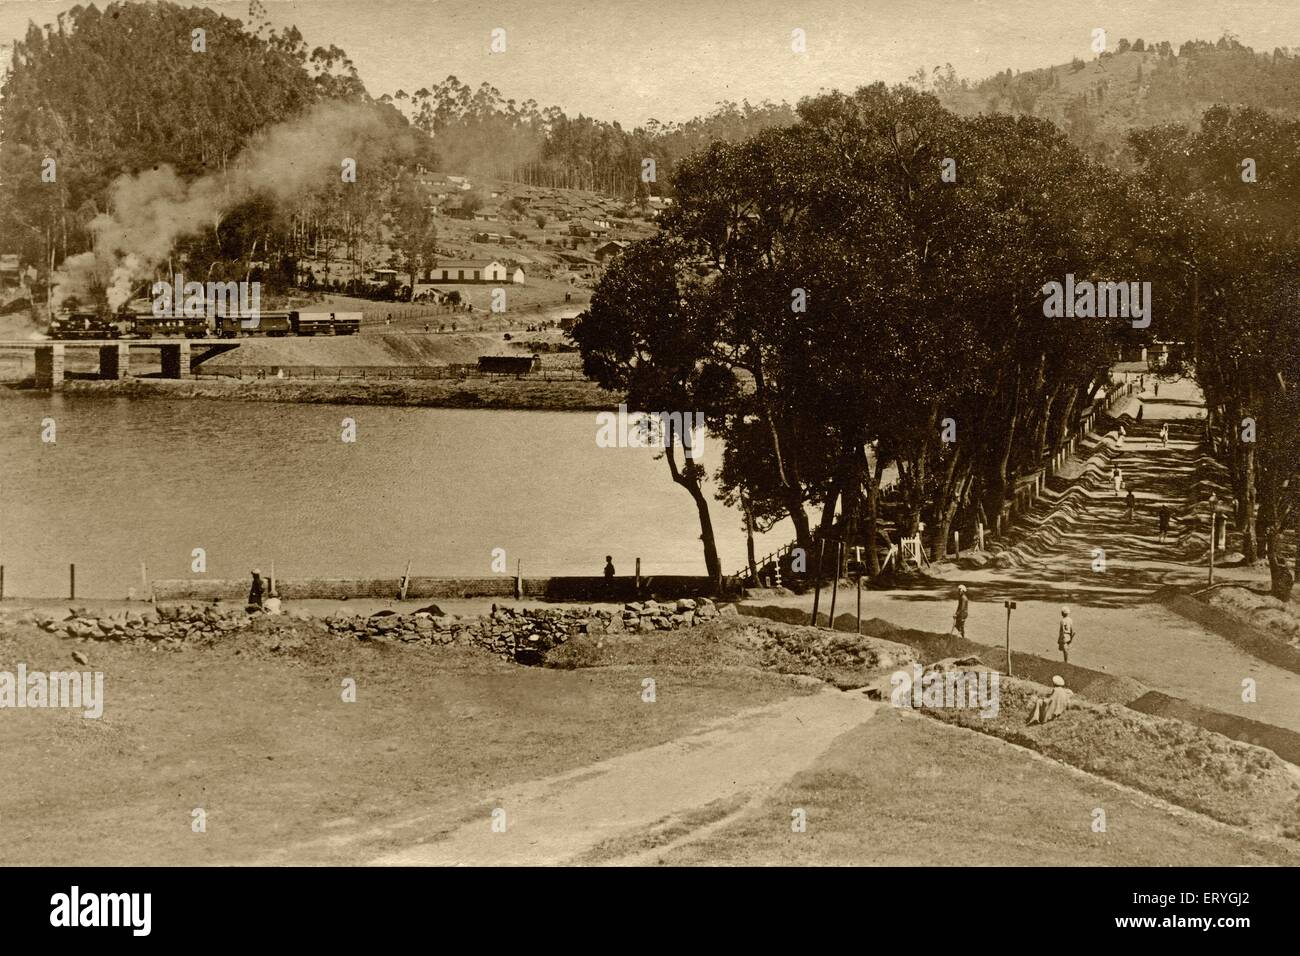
<point x="253" y="482"/>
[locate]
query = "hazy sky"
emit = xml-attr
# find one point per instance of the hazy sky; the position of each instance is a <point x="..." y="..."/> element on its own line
<point x="631" y="60"/>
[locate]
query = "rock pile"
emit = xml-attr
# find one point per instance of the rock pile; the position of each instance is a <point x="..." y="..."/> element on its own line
<point x="647" y="616"/>
<point x="524" y="635"/>
<point x="180" y="622"/>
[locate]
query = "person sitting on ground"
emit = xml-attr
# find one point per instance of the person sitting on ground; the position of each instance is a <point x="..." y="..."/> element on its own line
<point x="1045" y="707"/>
<point x="1065" y="634"/>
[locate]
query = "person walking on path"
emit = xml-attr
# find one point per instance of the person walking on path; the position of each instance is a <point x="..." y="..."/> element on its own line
<point x="1164" y="522"/>
<point x="1065" y="634"/>
<point x="1131" y="501"/>
<point x="1164" y="435"/>
<point x="1117" y="478"/>
<point x="963" y="610"/>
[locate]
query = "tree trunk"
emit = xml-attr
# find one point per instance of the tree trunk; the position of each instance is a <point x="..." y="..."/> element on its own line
<point x="1249" y="546"/>
<point x="749" y="541"/>
<point x="689" y="479"/>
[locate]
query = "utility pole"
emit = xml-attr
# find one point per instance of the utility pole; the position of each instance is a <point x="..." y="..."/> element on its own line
<point x="1010" y="606"/>
<point x="1214" y="531"/>
<point x="835" y="581"/>
<point x="817" y="582"/>
<point x="857" y="559"/>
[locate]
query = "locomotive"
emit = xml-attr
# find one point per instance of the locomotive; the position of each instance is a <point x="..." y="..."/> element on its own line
<point x="145" y="325"/>
<point x="83" y="325"/>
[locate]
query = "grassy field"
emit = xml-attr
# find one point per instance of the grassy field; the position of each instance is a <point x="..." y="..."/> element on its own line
<point x="256" y="733"/>
<point x="904" y="790"/>
<point x="253" y="729"/>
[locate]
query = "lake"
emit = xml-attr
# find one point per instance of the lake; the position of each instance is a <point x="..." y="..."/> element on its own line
<point x="128" y="481"/>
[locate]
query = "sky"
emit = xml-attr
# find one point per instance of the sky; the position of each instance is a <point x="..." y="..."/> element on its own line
<point x="633" y="60"/>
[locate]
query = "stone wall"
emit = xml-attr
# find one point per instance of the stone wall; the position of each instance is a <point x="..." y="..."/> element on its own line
<point x="523" y="635"/>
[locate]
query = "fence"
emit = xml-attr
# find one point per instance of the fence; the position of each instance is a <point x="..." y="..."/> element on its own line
<point x="563" y="588"/>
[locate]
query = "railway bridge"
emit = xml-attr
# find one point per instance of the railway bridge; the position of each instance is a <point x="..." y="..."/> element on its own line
<point x="179" y="357"/>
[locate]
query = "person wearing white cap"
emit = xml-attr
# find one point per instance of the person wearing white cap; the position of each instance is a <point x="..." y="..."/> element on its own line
<point x="255" y="592"/>
<point x="1065" y="634"/>
<point x="963" y="610"/>
<point x="1050" y="706"/>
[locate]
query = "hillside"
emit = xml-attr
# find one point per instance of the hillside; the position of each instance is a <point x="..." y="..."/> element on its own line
<point x="1097" y="103"/>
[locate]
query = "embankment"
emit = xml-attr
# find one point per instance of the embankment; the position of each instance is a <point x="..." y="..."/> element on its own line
<point x="469" y="393"/>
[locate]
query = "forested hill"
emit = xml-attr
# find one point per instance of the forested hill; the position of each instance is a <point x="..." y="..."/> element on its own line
<point x="125" y="86"/>
<point x="1139" y="84"/>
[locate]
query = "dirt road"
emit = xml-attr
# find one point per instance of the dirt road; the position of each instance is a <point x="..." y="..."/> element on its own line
<point x="1119" y="627"/>
<point x="558" y="818"/>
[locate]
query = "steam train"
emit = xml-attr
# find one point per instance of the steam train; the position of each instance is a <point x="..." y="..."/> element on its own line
<point x="143" y="325"/>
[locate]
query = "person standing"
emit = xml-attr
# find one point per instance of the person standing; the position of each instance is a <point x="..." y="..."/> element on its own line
<point x="1131" y="501"/>
<point x="1156" y="387"/>
<point x="1139" y="416"/>
<point x="255" y="591"/>
<point x="1164" y="435"/>
<point x="1119" y="441"/>
<point x="1065" y="634"/>
<point x="963" y="610"/>
<point x="1117" y="478"/>
<point x="609" y="576"/>
<point x="1164" y="522"/>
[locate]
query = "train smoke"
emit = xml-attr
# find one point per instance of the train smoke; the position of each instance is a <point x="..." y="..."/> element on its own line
<point x="149" y="211"/>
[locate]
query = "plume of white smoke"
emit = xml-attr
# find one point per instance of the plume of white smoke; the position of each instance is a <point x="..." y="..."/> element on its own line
<point x="149" y="211"/>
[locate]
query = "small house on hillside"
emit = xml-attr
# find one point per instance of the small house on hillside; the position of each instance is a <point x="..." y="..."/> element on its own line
<point x="469" y="270"/>
<point x="509" y="364"/>
<point x="589" y="227"/>
<point x="607" y="250"/>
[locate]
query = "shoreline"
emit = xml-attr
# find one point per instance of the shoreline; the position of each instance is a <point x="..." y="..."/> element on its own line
<point x="507" y="394"/>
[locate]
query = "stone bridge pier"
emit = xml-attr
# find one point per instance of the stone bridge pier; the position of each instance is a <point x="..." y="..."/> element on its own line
<point x="115" y="361"/>
<point x="49" y="366"/>
<point x="176" y="360"/>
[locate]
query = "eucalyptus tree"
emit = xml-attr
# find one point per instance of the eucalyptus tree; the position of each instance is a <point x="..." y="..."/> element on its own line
<point x="642" y="336"/>
<point x="1234" y="187"/>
